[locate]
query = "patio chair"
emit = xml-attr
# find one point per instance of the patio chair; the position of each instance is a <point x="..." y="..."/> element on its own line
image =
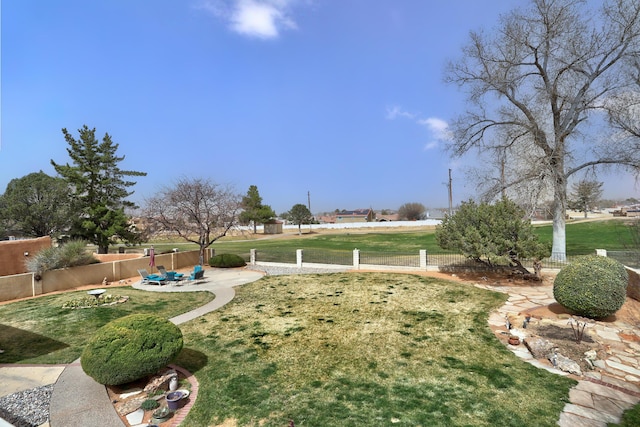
<point x="171" y="276"/>
<point x="197" y="275"/>
<point x="151" y="278"/>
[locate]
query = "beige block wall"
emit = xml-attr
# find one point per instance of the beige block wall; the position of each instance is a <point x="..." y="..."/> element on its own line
<point x="24" y="285"/>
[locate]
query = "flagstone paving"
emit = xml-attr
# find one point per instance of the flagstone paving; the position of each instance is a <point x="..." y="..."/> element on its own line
<point x="602" y="395"/>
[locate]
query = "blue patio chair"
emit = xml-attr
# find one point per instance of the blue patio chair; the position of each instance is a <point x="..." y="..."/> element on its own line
<point x="151" y="278"/>
<point x="172" y="276"/>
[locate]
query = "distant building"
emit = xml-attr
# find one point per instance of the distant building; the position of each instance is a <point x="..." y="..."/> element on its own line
<point x="390" y="217"/>
<point x="358" y="215"/>
<point x="273" y="226"/>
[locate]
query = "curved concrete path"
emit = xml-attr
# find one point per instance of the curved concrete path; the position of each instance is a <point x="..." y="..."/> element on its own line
<point x="78" y="401"/>
<point x="602" y="395"/>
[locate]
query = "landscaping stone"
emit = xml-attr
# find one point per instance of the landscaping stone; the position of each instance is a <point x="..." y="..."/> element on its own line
<point x="135" y="417"/>
<point x="565" y="364"/>
<point x="158" y="382"/>
<point x="131" y="405"/>
<point x="539" y="347"/>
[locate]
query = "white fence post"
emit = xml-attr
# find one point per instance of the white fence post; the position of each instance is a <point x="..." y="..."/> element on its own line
<point x="252" y="257"/>
<point x="423" y="259"/>
<point x="299" y="258"/>
<point x="356" y="259"/>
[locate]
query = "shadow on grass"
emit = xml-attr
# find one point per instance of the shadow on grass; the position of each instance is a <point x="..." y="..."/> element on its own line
<point x="19" y="345"/>
<point x="192" y="360"/>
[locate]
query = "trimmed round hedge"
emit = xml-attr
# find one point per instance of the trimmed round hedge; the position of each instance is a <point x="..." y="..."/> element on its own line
<point x="227" y="261"/>
<point x="592" y="286"/>
<point x="130" y="348"/>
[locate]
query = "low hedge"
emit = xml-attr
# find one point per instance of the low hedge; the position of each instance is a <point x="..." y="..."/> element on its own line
<point x="130" y="348"/>
<point x="227" y="261"/>
<point x="592" y="286"/>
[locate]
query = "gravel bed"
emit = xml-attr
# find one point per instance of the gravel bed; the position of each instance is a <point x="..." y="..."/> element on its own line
<point x="29" y="408"/>
<point x="277" y="270"/>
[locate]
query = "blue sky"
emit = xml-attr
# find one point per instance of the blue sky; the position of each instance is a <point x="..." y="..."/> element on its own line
<point x="343" y="99"/>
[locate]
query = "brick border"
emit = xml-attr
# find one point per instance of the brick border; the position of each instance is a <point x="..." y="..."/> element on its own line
<point x="611" y="386"/>
<point x="180" y="415"/>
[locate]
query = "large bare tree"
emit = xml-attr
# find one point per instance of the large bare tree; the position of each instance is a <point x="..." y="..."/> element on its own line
<point x="538" y="87"/>
<point x="197" y="210"/>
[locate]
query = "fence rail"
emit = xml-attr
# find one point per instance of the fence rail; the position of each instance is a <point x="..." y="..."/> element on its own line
<point x="445" y="261"/>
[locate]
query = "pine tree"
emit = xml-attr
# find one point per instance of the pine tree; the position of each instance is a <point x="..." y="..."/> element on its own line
<point x="99" y="189"/>
<point x="253" y="209"/>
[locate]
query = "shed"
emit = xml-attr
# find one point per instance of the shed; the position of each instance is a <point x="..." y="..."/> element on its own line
<point x="273" y="226"/>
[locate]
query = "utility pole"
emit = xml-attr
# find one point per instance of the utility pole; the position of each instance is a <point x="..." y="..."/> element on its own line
<point x="309" y="207"/>
<point x="450" y="195"/>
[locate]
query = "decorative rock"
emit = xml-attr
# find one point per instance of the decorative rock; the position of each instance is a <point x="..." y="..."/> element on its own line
<point x="130" y="393"/>
<point x="131" y="406"/>
<point x="591" y="355"/>
<point x="539" y="347"/>
<point x="565" y="364"/>
<point x="135" y="417"/>
<point x="158" y="381"/>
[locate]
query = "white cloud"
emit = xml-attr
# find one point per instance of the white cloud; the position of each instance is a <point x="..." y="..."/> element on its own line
<point x="438" y="131"/>
<point x="263" y="19"/>
<point x="395" y="112"/>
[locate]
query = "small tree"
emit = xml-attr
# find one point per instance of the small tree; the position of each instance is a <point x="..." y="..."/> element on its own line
<point x="99" y="190"/>
<point x="197" y="210"/>
<point x="585" y="195"/>
<point x="494" y="235"/>
<point x="412" y="211"/>
<point x="253" y="209"/>
<point x="37" y="205"/>
<point x="299" y="214"/>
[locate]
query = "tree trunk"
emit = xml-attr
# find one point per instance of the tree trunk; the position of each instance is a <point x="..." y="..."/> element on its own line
<point x="255" y="228"/>
<point x="559" y="248"/>
<point x="201" y="260"/>
<point x="300" y="229"/>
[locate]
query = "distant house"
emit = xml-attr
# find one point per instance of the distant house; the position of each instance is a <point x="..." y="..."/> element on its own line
<point x="327" y="219"/>
<point x="358" y="215"/>
<point x="391" y="217"/>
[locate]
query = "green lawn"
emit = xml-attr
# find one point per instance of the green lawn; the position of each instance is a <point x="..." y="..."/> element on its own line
<point x="39" y="330"/>
<point x="331" y="350"/>
<point x="582" y="238"/>
<point x="362" y="350"/>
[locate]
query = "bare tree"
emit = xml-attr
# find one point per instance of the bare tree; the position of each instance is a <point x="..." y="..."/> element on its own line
<point x="538" y="86"/>
<point x="197" y="210"/>
<point x="412" y="211"/>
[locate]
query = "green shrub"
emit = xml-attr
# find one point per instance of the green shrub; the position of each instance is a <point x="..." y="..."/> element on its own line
<point x="130" y="348"/>
<point x="227" y="261"/>
<point x="592" y="286"/>
<point x="149" y="404"/>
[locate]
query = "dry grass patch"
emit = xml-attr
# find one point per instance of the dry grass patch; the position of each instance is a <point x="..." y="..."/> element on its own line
<point x="362" y="349"/>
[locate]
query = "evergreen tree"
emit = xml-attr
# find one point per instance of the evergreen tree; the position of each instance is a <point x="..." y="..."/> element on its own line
<point x="99" y="189"/>
<point x="494" y="235"/>
<point x="300" y="214"/>
<point x="253" y="209"/>
<point x="36" y="205"/>
<point x="585" y="195"/>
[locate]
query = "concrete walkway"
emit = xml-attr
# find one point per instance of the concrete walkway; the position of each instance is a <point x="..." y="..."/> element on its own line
<point x="602" y="395"/>
<point x="599" y="398"/>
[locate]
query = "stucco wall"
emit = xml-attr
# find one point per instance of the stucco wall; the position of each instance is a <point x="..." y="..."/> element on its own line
<point x="12" y="253"/>
<point x="24" y="285"/>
